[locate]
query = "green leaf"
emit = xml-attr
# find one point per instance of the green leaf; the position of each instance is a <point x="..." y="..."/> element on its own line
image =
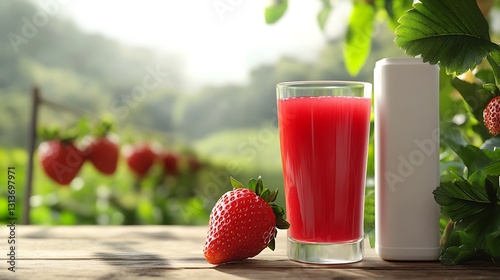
<point x="492" y="186"/>
<point x="460" y="200"/>
<point x="358" y="37"/>
<point x="369" y="216"/>
<point x="236" y="184"/>
<point x="259" y="186"/>
<point x="456" y="255"/>
<point x="476" y="98"/>
<point x="282" y="223"/>
<point x="480" y="159"/>
<point x="395" y="9"/>
<point x="486" y="76"/>
<point x="454" y="34"/>
<point x="493" y="245"/>
<point x="272" y="196"/>
<point x="252" y="185"/>
<point x="494" y="61"/>
<point x="469" y="154"/>
<point x="278" y="211"/>
<point x="274" y="11"/>
<point x="452" y="138"/>
<point x="272" y="244"/>
<point x="492" y="169"/>
<point x="388" y="7"/>
<point x="491" y="144"/>
<point x="265" y="194"/>
<point x="324" y="13"/>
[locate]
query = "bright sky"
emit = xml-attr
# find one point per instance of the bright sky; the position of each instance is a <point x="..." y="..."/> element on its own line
<point x="218" y="46"/>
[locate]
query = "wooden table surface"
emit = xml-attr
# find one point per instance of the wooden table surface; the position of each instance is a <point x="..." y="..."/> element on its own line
<point x="175" y="252"/>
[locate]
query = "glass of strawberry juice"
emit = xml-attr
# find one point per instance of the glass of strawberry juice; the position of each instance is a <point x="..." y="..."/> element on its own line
<point x="324" y="132"/>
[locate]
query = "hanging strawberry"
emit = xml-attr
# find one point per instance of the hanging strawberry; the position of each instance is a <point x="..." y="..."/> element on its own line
<point x="102" y="149"/>
<point x="61" y="160"/>
<point x="140" y="158"/>
<point x="491" y="116"/>
<point x="170" y="163"/>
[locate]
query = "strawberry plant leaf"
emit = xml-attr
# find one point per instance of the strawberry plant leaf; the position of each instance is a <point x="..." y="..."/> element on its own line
<point x="395" y="9"/>
<point x="486" y="76"/>
<point x="324" y="13"/>
<point x="388" y="7"/>
<point x="492" y="169"/>
<point x="457" y="254"/>
<point x="475" y="240"/>
<point x="468" y="154"/>
<point x="275" y="10"/>
<point x="483" y="159"/>
<point x="236" y="184"/>
<point x="472" y="95"/>
<point x="358" y="37"/>
<point x="454" y="34"/>
<point x="460" y="200"/>
<point x="452" y="137"/>
<point x="492" y="186"/>
<point x="493" y="243"/>
<point x="494" y="61"/>
<point x="474" y="159"/>
<point x="491" y="144"/>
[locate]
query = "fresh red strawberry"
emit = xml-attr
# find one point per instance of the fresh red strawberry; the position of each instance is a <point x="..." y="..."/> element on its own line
<point x="103" y="152"/>
<point x="491" y="116"/>
<point x="60" y="160"/>
<point x="140" y="158"/>
<point x="170" y="163"/>
<point x="243" y="223"/>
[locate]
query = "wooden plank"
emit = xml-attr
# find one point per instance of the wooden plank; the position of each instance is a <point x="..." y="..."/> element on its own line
<point x="175" y="252"/>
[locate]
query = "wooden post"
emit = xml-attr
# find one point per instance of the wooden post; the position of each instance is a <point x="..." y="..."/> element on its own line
<point x="31" y="152"/>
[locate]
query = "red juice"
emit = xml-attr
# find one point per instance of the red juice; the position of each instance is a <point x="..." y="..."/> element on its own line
<point x="324" y="142"/>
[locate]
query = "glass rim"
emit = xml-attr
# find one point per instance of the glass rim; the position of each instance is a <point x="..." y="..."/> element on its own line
<point x="323" y="84"/>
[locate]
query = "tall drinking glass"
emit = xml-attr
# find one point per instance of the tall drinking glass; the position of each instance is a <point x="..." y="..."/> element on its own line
<point x="324" y="130"/>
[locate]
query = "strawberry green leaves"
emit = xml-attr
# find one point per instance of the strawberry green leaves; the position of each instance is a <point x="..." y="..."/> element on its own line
<point x="453" y="33"/>
<point x="473" y="204"/>
<point x="461" y="200"/>
<point x="464" y="199"/>
<point x="236" y="184"/>
<point x="257" y="186"/>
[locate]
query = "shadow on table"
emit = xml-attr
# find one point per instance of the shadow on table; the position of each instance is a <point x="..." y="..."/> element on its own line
<point x="130" y="262"/>
<point x="285" y="269"/>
